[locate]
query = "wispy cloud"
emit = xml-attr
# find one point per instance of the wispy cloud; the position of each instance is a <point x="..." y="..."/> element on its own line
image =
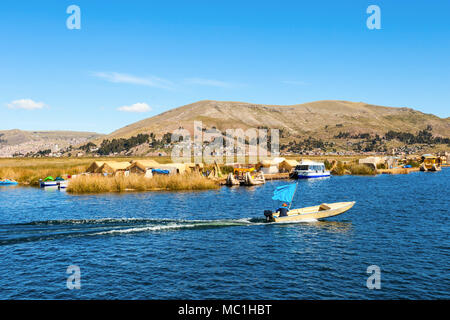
<point x="137" y="107"/>
<point x="150" y="81"/>
<point x="295" y="83"/>
<point x="26" y="104"/>
<point x="208" y="82"/>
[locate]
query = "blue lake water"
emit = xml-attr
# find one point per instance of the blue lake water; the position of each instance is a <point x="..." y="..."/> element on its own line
<point x="212" y="244"/>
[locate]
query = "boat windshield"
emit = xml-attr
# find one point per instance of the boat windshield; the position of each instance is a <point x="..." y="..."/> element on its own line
<point x="317" y="167"/>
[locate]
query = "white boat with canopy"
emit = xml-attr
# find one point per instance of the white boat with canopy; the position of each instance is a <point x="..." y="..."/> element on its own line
<point x="286" y="194"/>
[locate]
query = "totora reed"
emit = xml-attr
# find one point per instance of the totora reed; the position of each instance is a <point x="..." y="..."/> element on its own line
<point x="100" y="184"/>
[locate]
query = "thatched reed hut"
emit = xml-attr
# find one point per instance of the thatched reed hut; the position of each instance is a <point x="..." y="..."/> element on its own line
<point x="114" y="167"/>
<point x="372" y="162"/>
<point x="95" y="166"/>
<point x="143" y="166"/>
<point x="270" y="166"/>
<point x="287" y="165"/>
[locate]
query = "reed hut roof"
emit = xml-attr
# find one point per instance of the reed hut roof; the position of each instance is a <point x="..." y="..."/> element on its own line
<point x="373" y="160"/>
<point x="272" y="162"/>
<point x="95" y="166"/>
<point x="145" y="164"/>
<point x="114" y="166"/>
<point x="289" y="164"/>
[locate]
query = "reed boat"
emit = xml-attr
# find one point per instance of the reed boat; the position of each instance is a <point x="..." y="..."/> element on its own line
<point x="231" y="180"/>
<point x="325" y="210"/>
<point x="245" y="177"/>
<point x="250" y="180"/>
<point x="430" y="163"/>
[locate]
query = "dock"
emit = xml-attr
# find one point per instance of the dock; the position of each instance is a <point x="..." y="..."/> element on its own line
<point x="276" y="176"/>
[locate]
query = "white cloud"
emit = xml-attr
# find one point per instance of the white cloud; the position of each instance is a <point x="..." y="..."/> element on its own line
<point x="137" y="107"/>
<point x="26" y="104"/>
<point x="208" y="82"/>
<point x="151" y="81"/>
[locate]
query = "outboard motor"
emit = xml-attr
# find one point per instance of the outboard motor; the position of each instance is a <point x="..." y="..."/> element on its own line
<point x="269" y="215"/>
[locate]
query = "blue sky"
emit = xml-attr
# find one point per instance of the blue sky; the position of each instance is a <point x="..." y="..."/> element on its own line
<point x="151" y="56"/>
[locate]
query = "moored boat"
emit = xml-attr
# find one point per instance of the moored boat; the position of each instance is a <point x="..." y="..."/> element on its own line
<point x="257" y="179"/>
<point x="48" y="182"/>
<point x="310" y="169"/>
<point x="245" y="177"/>
<point x="430" y="163"/>
<point x="62" y="184"/>
<point x="231" y="180"/>
<point x="8" y="182"/>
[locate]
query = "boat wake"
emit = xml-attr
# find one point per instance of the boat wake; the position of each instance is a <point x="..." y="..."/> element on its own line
<point x="55" y="229"/>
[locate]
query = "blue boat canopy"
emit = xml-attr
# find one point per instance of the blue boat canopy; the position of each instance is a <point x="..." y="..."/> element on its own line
<point x="284" y="193"/>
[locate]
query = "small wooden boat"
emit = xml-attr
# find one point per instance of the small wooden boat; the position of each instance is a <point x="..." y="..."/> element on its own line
<point x="62" y="184"/>
<point x="285" y="193"/>
<point x="8" y="182"/>
<point x="48" y="182"/>
<point x="325" y="210"/>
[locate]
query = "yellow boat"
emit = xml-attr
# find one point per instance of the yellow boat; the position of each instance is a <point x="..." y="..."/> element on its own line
<point x="324" y="210"/>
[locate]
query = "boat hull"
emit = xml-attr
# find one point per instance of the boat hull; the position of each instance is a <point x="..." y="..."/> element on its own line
<point x="44" y="184"/>
<point x="306" y="174"/>
<point x="312" y="176"/>
<point x="253" y="181"/>
<point x="315" y="212"/>
<point x="63" y="184"/>
<point x="9" y="183"/>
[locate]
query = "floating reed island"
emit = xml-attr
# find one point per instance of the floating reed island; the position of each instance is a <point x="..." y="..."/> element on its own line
<point x="85" y="184"/>
<point x="97" y="175"/>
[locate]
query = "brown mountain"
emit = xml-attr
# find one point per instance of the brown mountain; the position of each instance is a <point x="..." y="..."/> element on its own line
<point x="15" y="136"/>
<point x="19" y="141"/>
<point x="320" y="119"/>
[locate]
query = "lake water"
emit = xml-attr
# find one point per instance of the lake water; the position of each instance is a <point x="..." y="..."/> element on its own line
<point x="212" y="244"/>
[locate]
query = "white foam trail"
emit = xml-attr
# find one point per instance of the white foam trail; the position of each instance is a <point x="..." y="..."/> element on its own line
<point x="185" y="225"/>
<point x="144" y="229"/>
